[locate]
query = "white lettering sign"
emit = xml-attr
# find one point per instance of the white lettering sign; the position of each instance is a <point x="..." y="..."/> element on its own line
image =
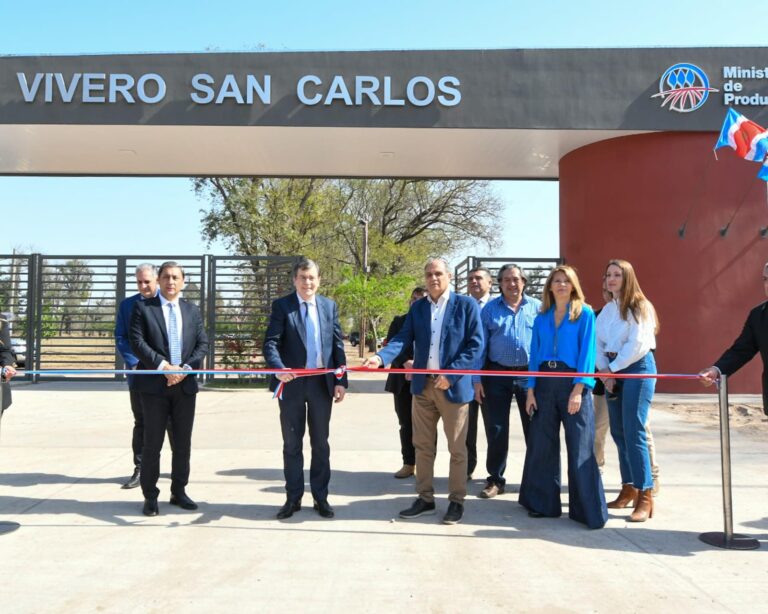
<point x="240" y="90"/>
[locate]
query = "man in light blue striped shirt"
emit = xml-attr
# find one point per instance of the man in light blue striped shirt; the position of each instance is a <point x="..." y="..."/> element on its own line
<point x="507" y="328"/>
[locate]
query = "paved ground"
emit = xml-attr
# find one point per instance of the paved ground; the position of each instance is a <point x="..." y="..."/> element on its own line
<point x="84" y="546"/>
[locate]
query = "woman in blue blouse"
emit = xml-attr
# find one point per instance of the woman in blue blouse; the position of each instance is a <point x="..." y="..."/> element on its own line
<point x="563" y="341"/>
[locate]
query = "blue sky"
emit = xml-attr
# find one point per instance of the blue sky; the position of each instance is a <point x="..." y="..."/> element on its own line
<point x="81" y="215"/>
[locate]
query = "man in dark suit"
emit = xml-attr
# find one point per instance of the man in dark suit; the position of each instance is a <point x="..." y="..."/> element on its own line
<point x="479" y="286"/>
<point x="304" y="332"/>
<point x="447" y="334"/>
<point x="7" y="370"/>
<point x="167" y="334"/>
<point x="399" y="384"/>
<point x="146" y="283"/>
<point x="753" y="339"/>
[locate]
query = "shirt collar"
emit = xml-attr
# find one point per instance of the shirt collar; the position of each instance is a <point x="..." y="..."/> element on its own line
<point x="483" y="300"/>
<point x="523" y="300"/>
<point x="164" y="301"/>
<point x="311" y="301"/>
<point x="441" y="299"/>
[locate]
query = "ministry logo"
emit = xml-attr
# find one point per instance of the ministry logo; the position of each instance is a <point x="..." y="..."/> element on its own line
<point x="684" y="88"/>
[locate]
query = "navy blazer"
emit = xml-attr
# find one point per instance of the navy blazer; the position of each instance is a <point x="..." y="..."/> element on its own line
<point x="285" y="342"/>
<point x="753" y="339"/>
<point x="149" y="342"/>
<point x="461" y="343"/>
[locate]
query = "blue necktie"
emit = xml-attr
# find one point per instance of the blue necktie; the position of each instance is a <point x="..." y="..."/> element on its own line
<point x="311" y="347"/>
<point x="173" y="336"/>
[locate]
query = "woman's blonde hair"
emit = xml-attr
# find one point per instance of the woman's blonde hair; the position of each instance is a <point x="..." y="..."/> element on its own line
<point x="576" y="298"/>
<point x="631" y="298"/>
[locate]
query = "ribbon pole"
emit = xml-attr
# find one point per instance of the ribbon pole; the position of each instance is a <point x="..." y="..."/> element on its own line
<point x="727" y="539"/>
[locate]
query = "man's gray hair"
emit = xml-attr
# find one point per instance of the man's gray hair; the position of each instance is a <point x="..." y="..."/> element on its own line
<point x="304" y="264"/>
<point x="146" y="266"/>
<point x="434" y="259"/>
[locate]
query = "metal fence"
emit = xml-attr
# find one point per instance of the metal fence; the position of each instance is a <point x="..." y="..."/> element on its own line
<point x="538" y="269"/>
<point x="64" y="307"/>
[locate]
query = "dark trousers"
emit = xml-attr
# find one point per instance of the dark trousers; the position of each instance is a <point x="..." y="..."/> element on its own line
<point x="499" y="392"/>
<point x="403" y="408"/>
<point x="178" y="407"/>
<point x="137" y="439"/>
<point x="306" y="400"/>
<point x="474" y="410"/>
<point x="540" y="487"/>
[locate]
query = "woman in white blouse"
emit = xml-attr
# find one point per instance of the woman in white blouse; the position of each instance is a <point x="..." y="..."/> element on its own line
<point x="626" y="339"/>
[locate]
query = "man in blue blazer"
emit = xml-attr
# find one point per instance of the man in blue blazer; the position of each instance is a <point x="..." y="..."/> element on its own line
<point x="446" y="332"/>
<point x="167" y="334"/>
<point x="304" y="332"/>
<point x="146" y="283"/>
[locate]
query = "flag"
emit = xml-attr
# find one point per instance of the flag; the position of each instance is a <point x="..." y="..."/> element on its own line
<point x="748" y="139"/>
<point x="763" y="174"/>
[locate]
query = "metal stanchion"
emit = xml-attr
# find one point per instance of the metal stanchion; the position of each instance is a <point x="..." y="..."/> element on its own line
<point x="6" y="527"/>
<point x="727" y="539"/>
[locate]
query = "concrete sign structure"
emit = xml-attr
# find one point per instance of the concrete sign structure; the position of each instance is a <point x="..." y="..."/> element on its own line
<point x="628" y="132"/>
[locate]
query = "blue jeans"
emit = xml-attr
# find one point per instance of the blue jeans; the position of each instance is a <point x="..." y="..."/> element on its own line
<point x="540" y="486"/>
<point x="628" y="413"/>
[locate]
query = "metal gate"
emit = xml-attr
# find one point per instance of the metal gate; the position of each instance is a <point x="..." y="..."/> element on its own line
<point x="64" y="307"/>
<point x="538" y="269"/>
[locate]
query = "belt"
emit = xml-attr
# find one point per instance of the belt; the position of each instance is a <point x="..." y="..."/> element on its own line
<point x="555" y="365"/>
<point x="495" y="366"/>
<point x="611" y="355"/>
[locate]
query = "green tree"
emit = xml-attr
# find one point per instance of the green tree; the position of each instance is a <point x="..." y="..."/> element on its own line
<point x="407" y="220"/>
<point x="379" y="298"/>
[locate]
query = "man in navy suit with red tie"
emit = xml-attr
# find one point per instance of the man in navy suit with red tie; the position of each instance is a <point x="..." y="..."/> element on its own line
<point x="304" y="332"/>
<point x="167" y="334"/>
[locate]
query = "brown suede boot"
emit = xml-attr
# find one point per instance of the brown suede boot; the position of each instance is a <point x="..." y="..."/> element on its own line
<point x="627" y="497"/>
<point x="405" y="472"/>
<point x="644" y="508"/>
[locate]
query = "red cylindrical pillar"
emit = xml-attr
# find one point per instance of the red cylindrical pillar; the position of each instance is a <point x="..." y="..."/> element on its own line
<point x="689" y="224"/>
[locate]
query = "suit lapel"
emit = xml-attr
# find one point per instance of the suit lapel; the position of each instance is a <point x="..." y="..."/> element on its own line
<point x="323" y="318"/>
<point x="157" y="311"/>
<point x="296" y="318"/>
<point x="187" y="330"/>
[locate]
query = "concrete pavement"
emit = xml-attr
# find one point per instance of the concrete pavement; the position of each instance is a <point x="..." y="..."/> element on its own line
<point x="84" y="545"/>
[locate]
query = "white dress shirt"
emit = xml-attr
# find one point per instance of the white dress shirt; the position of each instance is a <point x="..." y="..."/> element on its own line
<point x="629" y="339"/>
<point x="437" y="311"/>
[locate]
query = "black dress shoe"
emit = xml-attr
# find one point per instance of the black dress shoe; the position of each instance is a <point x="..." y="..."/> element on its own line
<point x="183" y="501"/>
<point x="533" y="514"/>
<point x="454" y="513"/>
<point x="288" y="509"/>
<point x="150" y="507"/>
<point x="419" y="508"/>
<point x="134" y="480"/>
<point x="323" y="508"/>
